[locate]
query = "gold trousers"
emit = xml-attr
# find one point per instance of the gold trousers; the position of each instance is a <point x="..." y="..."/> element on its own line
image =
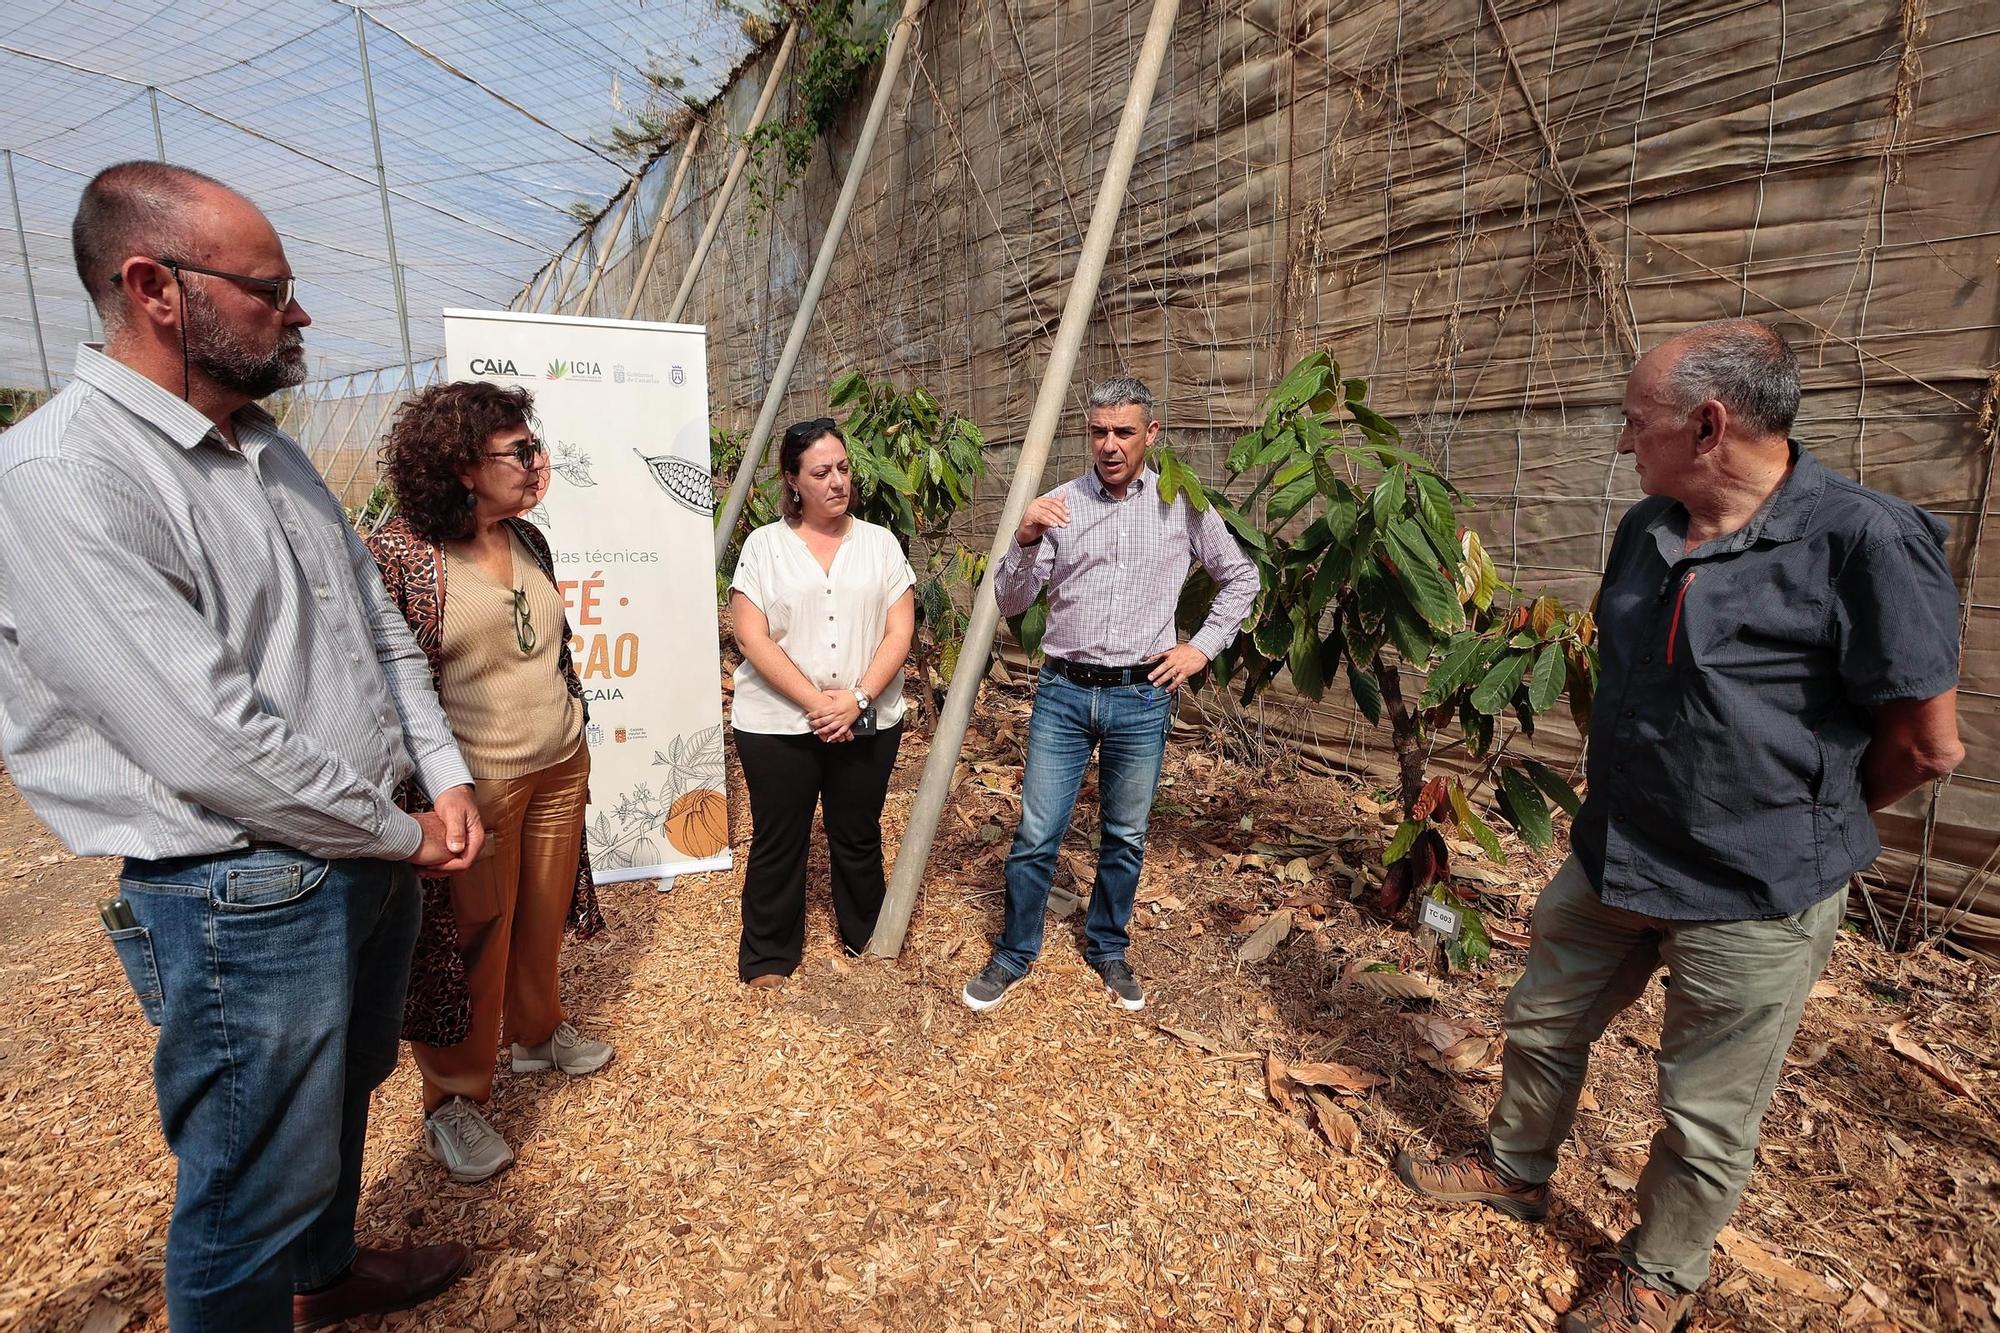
<point x="510" y="907"/>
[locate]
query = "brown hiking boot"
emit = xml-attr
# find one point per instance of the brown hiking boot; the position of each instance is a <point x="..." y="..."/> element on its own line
<point x="1626" y="1305"/>
<point x="1473" y="1178"/>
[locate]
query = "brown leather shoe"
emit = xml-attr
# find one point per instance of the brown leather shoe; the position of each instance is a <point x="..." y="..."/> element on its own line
<point x="1472" y="1178"/>
<point x="380" y="1281"/>
<point x="1626" y="1305"/>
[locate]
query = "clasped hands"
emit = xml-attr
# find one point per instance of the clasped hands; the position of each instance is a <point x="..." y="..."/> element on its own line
<point x="454" y="837"/>
<point x="833" y="718"/>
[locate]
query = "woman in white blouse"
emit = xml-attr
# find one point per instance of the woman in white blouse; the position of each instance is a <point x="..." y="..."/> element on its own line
<point x="824" y="613"/>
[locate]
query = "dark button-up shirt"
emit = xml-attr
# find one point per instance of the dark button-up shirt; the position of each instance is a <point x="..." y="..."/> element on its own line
<point x="195" y="649"/>
<point x="1115" y="571"/>
<point x="1735" y="701"/>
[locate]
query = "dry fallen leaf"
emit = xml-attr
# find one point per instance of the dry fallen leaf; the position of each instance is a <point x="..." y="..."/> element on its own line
<point x="1338" y="1127"/>
<point x="1458" y="1049"/>
<point x="1350" y="1079"/>
<point x="1266" y="938"/>
<point x="1750" y="1253"/>
<point x="1391" y="985"/>
<point x="1278" y="1081"/>
<point x="1907" y="1046"/>
<point x="1201" y="1041"/>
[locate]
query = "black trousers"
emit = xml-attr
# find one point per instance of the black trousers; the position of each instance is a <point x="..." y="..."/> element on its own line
<point x="788" y="776"/>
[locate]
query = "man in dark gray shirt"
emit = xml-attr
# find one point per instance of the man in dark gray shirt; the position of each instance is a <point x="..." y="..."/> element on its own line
<point x="200" y="672"/>
<point x="1780" y="657"/>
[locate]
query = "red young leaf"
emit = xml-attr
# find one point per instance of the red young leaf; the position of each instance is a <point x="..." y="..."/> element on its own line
<point x="1395" y="889"/>
<point x="1429" y="799"/>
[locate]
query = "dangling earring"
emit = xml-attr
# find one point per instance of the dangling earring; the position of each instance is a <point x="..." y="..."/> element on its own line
<point x="797" y="498"/>
<point x="471" y="498"/>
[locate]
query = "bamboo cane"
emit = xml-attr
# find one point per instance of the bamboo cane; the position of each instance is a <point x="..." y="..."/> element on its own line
<point x="935" y="787"/>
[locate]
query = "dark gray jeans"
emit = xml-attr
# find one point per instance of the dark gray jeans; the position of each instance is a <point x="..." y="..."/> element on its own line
<point x="1736" y="992"/>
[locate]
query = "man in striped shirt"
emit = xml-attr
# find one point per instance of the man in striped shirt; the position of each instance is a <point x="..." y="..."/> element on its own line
<point x="1113" y="557"/>
<point x="201" y="673"/>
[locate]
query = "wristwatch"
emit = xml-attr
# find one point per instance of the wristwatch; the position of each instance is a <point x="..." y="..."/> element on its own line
<point x="862" y="700"/>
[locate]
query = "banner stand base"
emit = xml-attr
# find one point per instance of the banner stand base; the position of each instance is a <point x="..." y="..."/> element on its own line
<point x="667" y="875"/>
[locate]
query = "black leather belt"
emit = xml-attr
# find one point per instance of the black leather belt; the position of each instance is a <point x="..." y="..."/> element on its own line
<point x="1099" y="677"/>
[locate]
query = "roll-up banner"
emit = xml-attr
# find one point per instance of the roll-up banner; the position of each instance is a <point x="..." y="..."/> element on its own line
<point x="623" y="408"/>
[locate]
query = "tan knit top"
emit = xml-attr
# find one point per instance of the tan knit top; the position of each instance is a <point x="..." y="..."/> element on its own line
<point x="509" y="707"/>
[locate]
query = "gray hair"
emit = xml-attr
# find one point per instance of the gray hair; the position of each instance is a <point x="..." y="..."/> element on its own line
<point x="1122" y="391"/>
<point x="133" y="208"/>
<point x="1744" y="364"/>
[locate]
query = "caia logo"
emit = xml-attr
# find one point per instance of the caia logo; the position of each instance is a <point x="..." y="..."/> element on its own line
<point x="486" y="365"/>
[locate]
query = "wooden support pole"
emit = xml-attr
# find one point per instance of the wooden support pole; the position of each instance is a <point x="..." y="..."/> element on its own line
<point x="660" y="222"/>
<point x="836" y="227"/>
<point x="28" y="274"/>
<point x="604" y="256"/>
<point x="562" y="289"/>
<point x="935" y="787"/>
<point x="736" y="164"/>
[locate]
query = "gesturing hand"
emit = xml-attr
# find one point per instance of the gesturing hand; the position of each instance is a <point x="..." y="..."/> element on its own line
<point x="833" y="719"/>
<point x="1047" y="511"/>
<point x="1174" y="667"/>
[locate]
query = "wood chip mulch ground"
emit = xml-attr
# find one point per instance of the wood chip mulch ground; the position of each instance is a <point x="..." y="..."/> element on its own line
<point x="860" y="1152"/>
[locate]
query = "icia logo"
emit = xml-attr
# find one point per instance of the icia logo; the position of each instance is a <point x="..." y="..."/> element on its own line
<point x="558" y="369"/>
<point x="486" y="365"/>
<point x="575" y="370"/>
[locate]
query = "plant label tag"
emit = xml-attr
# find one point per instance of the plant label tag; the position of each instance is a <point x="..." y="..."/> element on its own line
<point x="1434" y="915"/>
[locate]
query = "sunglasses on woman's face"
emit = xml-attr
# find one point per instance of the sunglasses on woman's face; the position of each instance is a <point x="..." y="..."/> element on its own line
<point x="530" y="453"/>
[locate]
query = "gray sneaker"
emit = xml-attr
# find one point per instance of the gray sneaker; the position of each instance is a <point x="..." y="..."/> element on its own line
<point x="458" y="1136"/>
<point x="566" y="1049"/>
<point x="1120" y="984"/>
<point x="989" y="989"/>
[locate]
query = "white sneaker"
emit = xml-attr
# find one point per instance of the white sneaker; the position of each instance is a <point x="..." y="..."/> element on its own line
<point x="566" y="1049"/>
<point x="458" y="1136"/>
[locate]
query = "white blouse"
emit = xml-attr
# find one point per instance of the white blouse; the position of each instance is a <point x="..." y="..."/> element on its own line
<point x="828" y="621"/>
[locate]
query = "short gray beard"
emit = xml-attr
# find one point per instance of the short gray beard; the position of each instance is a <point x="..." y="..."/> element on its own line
<point x="220" y="353"/>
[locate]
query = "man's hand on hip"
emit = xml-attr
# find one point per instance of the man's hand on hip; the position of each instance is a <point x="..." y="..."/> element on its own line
<point x="453" y="835"/>
<point x="1177" y="665"/>
<point x="1047" y="511"/>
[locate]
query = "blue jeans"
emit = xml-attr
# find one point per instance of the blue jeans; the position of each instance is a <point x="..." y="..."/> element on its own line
<point x="277" y="981"/>
<point x="1127" y="726"/>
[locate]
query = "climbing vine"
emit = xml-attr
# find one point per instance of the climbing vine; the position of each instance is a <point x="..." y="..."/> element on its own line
<point x="829" y="68"/>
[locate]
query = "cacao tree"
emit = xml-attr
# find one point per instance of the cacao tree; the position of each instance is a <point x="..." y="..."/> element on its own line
<point x="1369" y="578"/>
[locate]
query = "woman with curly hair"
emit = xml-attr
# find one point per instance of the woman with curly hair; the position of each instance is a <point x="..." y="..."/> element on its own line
<point x="477" y="584"/>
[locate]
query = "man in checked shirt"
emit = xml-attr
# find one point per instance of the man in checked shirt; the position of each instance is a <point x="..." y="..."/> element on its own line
<point x="1114" y="559"/>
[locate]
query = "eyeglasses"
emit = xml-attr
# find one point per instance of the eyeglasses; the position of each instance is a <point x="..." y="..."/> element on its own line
<point x="282" y="291"/>
<point x="524" y="625"/>
<point x="530" y="453"/>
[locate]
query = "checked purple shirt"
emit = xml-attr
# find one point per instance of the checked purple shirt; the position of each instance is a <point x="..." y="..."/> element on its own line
<point x="1115" y="573"/>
